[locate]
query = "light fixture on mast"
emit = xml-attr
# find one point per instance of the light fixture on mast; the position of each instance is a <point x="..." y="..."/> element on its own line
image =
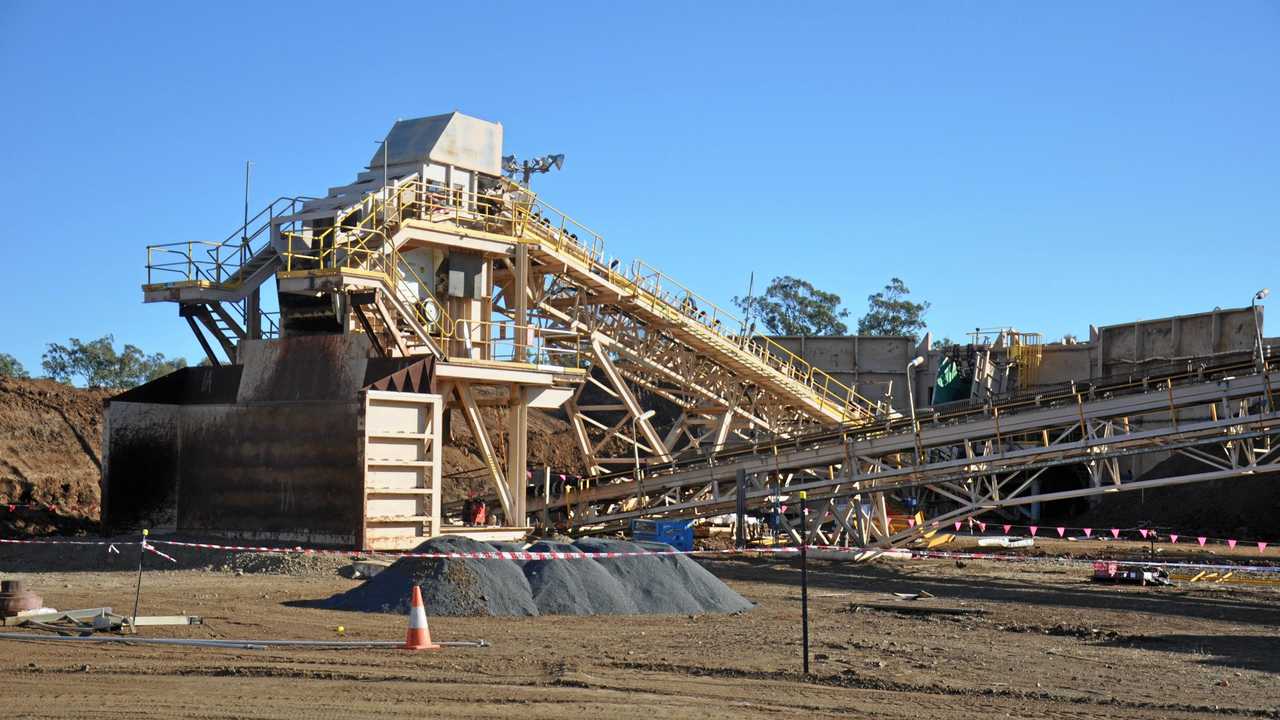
<point x="527" y="168"/>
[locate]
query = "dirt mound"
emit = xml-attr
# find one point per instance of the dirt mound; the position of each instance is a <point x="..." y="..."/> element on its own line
<point x="1244" y="507"/>
<point x="657" y="585"/>
<point x="50" y="457"/>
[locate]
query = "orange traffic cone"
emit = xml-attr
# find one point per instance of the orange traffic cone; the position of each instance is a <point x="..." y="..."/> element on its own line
<point x="419" y="635"/>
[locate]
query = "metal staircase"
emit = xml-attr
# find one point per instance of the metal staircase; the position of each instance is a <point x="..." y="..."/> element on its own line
<point x="217" y="283"/>
<point x="199" y="270"/>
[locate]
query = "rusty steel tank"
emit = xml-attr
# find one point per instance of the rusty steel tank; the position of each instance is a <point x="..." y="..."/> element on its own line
<point x="15" y="598"/>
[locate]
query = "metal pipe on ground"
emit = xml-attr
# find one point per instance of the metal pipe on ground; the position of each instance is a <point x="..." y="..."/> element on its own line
<point x="236" y="644"/>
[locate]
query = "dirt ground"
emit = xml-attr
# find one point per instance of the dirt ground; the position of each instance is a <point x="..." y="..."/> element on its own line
<point x="1050" y="644"/>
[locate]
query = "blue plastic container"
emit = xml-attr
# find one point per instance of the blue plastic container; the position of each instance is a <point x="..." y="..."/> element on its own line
<point x="676" y="533"/>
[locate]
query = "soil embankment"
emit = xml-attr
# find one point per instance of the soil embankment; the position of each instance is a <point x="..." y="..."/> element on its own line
<point x="50" y="456"/>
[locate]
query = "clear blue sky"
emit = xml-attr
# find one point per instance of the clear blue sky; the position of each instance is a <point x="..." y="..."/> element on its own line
<point x="1043" y="165"/>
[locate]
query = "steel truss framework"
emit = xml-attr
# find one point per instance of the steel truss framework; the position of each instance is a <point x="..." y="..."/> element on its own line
<point x="670" y="375"/>
<point x="676" y="388"/>
<point x="667" y="381"/>
<point x="971" y="465"/>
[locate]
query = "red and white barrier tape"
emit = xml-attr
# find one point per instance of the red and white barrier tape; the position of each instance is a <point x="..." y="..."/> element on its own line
<point x="61" y="542"/>
<point x="1084" y="533"/>
<point x="952" y="555"/>
<point x="787" y="550"/>
<point x="482" y="555"/>
<point x="149" y="548"/>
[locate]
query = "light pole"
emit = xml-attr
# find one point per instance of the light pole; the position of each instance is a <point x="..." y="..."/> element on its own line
<point x="244" y="230"/>
<point x="1257" y="327"/>
<point x="911" y="402"/>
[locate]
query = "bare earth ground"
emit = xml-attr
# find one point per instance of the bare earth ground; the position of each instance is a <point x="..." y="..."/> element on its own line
<point x="1051" y="645"/>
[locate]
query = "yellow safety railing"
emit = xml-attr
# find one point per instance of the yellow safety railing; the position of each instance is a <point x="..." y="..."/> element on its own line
<point x="677" y="301"/>
<point x="522" y="215"/>
<point x="190" y="261"/>
<point x="509" y="342"/>
<point x="1027" y="351"/>
<point x="369" y="251"/>
<point x="359" y="240"/>
<point x="217" y="263"/>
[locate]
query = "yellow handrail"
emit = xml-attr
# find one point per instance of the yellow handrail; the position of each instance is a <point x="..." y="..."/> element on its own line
<point x="222" y="259"/>
<point x="648" y="281"/>
<point x="533" y="220"/>
<point x="507" y="341"/>
<point x="519" y="213"/>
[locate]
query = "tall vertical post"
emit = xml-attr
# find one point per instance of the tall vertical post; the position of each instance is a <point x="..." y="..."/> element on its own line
<point x="741" y="507"/>
<point x="244" y="229"/>
<point x="520" y="285"/>
<point x="804" y="577"/>
<point x="911" y="402"/>
<point x="518" y="455"/>
<point x="137" y="593"/>
<point x="253" y="303"/>
<point x="1257" y="327"/>
<point x="546" y="498"/>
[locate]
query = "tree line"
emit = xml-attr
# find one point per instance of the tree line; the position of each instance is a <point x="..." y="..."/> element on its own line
<point x="792" y="306"/>
<point x="96" y="364"/>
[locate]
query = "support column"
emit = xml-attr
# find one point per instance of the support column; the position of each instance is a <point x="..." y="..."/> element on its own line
<point x="521" y="303"/>
<point x="253" y="314"/>
<point x="518" y="455"/>
<point x="740" y="504"/>
<point x="476" y="422"/>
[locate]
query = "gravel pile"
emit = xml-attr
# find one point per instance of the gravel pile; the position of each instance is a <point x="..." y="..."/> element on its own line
<point x="282" y="564"/>
<point x="449" y="587"/>
<point x="651" y="585"/>
<point x="575" y="587"/>
<point x="663" y="584"/>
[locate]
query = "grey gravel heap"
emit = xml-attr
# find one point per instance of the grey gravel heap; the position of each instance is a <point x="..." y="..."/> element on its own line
<point x="649" y="585"/>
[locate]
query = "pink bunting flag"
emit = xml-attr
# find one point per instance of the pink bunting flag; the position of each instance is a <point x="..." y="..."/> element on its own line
<point x="1231" y="544"/>
<point x="562" y="477"/>
<point x="1006" y="529"/>
<point x="958" y="524"/>
<point x="1088" y="532"/>
<point x="982" y="526"/>
<point x="1173" y="539"/>
<point x="1115" y="533"/>
<point x="529" y="473"/>
<point x="1033" y="529"/>
<point x="911" y="522"/>
<point x="1262" y="547"/>
<point x="1062" y="531"/>
<point x="1201" y="541"/>
<point x="1143" y="532"/>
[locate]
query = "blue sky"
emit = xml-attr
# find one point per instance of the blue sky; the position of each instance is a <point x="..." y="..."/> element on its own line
<point x="1042" y="165"/>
